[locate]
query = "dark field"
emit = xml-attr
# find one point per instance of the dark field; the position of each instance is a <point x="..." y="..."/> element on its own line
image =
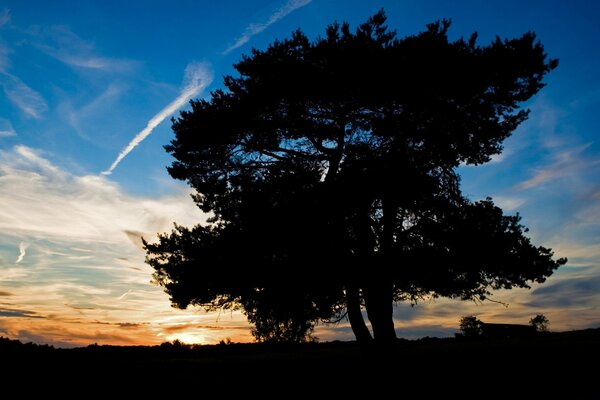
<point x="564" y="365"/>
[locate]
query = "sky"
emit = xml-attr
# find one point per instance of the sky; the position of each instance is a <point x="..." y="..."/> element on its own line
<point x="87" y="90"/>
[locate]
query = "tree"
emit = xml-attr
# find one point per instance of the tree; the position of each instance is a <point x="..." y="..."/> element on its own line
<point x="329" y="169"/>
<point x="470" y="327"/>
<point x="540" y="323"/>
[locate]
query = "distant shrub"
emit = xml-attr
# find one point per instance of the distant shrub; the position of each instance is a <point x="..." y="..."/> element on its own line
<point x="540" y="323"/>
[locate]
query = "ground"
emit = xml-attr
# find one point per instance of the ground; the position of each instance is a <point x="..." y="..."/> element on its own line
<point x="551" y="364"/>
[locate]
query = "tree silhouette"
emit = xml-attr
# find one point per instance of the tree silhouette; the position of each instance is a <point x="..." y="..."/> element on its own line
<point x="329" y="169"/>
<point x="470" y="327"/>
<point x="540" y="323"/>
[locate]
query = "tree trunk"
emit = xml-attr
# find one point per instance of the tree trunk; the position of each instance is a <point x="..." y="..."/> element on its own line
<point x="380" y="310"/>
<point x="357" y="322"/>
<point x="379" y="295"/>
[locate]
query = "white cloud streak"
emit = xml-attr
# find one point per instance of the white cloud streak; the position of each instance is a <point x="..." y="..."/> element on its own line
<point x="25" y="98"/>
<point x="565" y="163"/>
<point x="127" y="293"/>
<point x="197" y="77"/>
<point x="509" y="203"/>
<point x="22" y="251"/>
<point x="64" y="45"/>
<point x="256" y="28"/>
<point x="7" y="133"/>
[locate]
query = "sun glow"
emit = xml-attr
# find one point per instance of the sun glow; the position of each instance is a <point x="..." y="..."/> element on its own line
<point x="188" y="337"/>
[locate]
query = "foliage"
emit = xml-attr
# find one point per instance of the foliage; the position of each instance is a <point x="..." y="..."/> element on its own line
<point x="540" y="323"/>
<point x="470" y="327"/>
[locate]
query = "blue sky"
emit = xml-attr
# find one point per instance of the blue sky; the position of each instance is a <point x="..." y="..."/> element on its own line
<point x="79" y="81"/>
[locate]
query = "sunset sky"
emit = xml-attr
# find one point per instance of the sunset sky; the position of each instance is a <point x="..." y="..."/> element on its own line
<point x="87" y="90"/>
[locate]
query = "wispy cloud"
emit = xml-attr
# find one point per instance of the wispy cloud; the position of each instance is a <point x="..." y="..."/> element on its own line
<point x="509" y="203"/>
<point x="256" y="28"/>
<point x="67" y="47"/>
<point x="564" y="163"/>
<point x="197" y="77"/>
<point x="6" y="128"/>
<point x="4" y="17"/>
<point x="575" y="291"/>
<point x="4" y="49"/>
<point x="4" y="58"/>
<point x="16" y="91"/>
<point x="83" y="262"/>
<point x="25" y="98"/>
<point x="22" y="251"/>
<point x="41" y="200"/>
<point x="82" y="118"/>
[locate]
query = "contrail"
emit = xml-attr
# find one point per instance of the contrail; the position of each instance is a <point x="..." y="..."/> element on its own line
<point x="197" y="77"/>
<point x="254" y="29"/>
<point x="22" y="247"/>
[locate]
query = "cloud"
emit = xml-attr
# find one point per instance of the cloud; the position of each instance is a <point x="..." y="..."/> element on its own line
<point x="4" y="59"/>
<point x="22" y="247"/>
<point x="6" y="128"/>
<point x="564" y="163"/>
<point x="7" y="312"/>
<point x="25" y="98"/>
<point x="197" y="77"/>
<point x="4" y="17"/>
<point x="127" y="293"/>
<point x="84" y="263"/>
<point x="4" y="49"/>
<point x="12" y="274"/>
<point x="83" y="118"/>
<point x="65" y="46"/>
<point x="575" y="288"/>
<point x="127" y="325"/>
<point x="498" y="158"/>
<point x="508" y="203"/>
<point x="20" y="94"/>
<point x="256" y="28"/>
<point x="39" y="200"/>
<point x="579" y="252"/>
<point x="68" y="336"/>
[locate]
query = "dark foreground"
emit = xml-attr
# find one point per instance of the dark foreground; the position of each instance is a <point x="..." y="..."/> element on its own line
<point x="564" y="364"/>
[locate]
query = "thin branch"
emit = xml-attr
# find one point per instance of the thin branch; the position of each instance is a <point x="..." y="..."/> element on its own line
<point x="319" y="146"/>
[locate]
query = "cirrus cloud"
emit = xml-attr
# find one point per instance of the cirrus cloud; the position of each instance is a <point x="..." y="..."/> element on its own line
<point x="64" y="45"/>
<point x="24" y="97"/>
<point x="41" y="200"/>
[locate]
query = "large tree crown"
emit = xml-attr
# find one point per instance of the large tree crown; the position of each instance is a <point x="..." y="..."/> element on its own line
<point x="422" y="97"/>
<point x="330" y="163"/>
